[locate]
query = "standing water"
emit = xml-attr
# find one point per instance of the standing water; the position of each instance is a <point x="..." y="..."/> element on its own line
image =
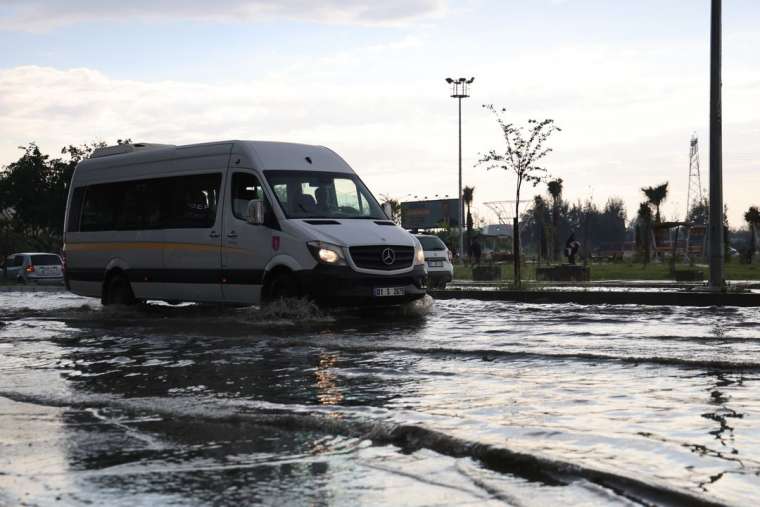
<point x="454" y="403"/>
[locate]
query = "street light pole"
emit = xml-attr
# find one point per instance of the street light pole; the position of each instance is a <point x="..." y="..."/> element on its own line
<point x="460" y="89"/>
<point x="716" y="152"/>
<point x="461" y="201"/>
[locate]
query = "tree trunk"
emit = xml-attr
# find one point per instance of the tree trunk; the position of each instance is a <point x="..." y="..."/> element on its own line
<point x="555" y="232"/>
<point x="673" y="255"/>
<point x="646" y="241"/>
<point x="539" y="241"/>
<point x="516" y="251"/>
<point x="468" y="243"/>
<point x="586" y="246"/>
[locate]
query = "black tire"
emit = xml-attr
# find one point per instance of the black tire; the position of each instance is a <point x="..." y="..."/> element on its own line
<point x="282" y="285"/>
<point x="21" y="280"/>
<point x="119" y="292"/>
<point x="442" y="285"/>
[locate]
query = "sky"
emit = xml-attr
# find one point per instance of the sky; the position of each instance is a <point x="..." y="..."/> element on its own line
<point x="628" y="83"/>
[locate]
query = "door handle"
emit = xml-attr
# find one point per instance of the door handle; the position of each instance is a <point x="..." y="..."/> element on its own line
<point x="213" y="234"/>
<point x="232" y="234"/>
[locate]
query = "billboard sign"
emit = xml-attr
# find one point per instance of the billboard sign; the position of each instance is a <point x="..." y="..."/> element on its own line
<point x="429" y="214"/>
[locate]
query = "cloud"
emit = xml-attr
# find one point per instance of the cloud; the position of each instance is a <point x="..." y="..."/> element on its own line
<point x="367" y="124"/>
<point x="40" y="15"/>
<point x="622" y="128"/>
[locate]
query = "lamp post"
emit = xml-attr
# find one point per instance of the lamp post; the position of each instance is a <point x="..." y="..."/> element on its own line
<point x="460" y="89"/>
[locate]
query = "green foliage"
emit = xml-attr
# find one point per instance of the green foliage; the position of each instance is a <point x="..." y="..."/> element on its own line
<point x="603" y="229"/>
<point x="644" y="228"/>
<point x="752" y="215"/>
<point x="555" y="189"/>
<point x="700" y="213"/>
<point x="467" y="196"/>
<point x="33" y="193"/>
<point x="655" y="196"/>
<point x="395" y="208"/>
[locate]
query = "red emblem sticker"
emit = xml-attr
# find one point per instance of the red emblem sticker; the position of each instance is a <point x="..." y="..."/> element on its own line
<point x="275" y="242"/>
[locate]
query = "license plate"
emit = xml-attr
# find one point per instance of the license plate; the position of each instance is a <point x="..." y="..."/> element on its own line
<point x="389" y="291"/>
<point x="435" y="264"/>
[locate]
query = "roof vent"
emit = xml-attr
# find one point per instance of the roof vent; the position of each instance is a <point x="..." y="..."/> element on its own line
<point x="121" y="149"/>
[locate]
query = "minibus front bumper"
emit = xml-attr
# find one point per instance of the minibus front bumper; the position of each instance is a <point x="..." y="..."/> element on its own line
<point x="340" y="285"/>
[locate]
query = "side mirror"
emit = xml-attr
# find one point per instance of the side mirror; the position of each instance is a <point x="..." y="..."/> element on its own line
<point x="255" y="212"/>
<point x="388" y="210"/>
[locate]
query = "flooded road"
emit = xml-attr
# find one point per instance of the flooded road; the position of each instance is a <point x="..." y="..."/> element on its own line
<point x="454" y="403"/>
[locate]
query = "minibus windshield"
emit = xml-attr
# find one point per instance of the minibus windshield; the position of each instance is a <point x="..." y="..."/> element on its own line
<point x="312" y="194"/>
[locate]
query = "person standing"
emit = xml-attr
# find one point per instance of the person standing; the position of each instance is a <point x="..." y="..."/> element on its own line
<point x="477" y="250"/>
<point x="571" y="248"/>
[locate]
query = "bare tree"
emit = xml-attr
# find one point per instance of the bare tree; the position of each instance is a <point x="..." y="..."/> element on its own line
<point x="525" y="147"/>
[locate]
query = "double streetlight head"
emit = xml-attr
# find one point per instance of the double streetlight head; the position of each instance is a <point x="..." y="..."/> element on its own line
<point x="460" y="88"/>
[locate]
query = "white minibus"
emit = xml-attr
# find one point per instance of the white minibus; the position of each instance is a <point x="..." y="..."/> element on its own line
<point x="240" y="222"/>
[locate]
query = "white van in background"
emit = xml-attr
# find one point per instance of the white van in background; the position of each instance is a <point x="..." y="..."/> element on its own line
<point x="438" y="259"/>
<point x="233" y="222"/>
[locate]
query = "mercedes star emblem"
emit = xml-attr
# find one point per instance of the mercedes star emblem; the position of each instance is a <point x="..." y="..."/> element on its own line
<point x="388" y="256"/>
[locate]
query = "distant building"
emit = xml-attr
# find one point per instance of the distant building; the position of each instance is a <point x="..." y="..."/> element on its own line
<point x="431" y="214"/>
<point x="497" y="230"/>
<point x="496" y="238"/>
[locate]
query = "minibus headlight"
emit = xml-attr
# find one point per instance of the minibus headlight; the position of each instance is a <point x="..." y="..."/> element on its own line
<point x="419" y="253"/>
<point x="326" y="253"/>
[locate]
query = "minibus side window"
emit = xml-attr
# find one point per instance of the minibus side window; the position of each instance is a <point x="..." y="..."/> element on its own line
<point x="100" y="204"/>
<point x="194" y="201"/>
<point x="155" y="208"/>
<point x="129" y="215"/>
<point x="75" y="209"/>
<point x="245" y="187"/>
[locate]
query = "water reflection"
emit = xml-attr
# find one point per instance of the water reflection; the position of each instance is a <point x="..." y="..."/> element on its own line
<point x="328" y="392"/>
<point x="722" y="413"/>
<point x="172" y="402"/>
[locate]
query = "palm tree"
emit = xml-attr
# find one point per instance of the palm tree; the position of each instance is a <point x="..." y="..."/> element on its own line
<point x="555" y="190"/>
<point x="539" y="212"/>
<point x="467" y="194"/>
<point x="655" y="196"/>
<point x="644" y="228"/>
<point x="752" y="216"/>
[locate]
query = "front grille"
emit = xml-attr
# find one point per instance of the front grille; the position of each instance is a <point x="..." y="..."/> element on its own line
<point x="371" y="257"/>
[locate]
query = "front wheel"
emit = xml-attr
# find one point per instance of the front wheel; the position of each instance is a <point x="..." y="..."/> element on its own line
<point x="119" y="292"/>
<point x="283" y="285"/>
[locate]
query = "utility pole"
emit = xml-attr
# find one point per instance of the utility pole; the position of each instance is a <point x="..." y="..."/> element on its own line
<point x="460" y="89"/>
<point x="717" y="276"/>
